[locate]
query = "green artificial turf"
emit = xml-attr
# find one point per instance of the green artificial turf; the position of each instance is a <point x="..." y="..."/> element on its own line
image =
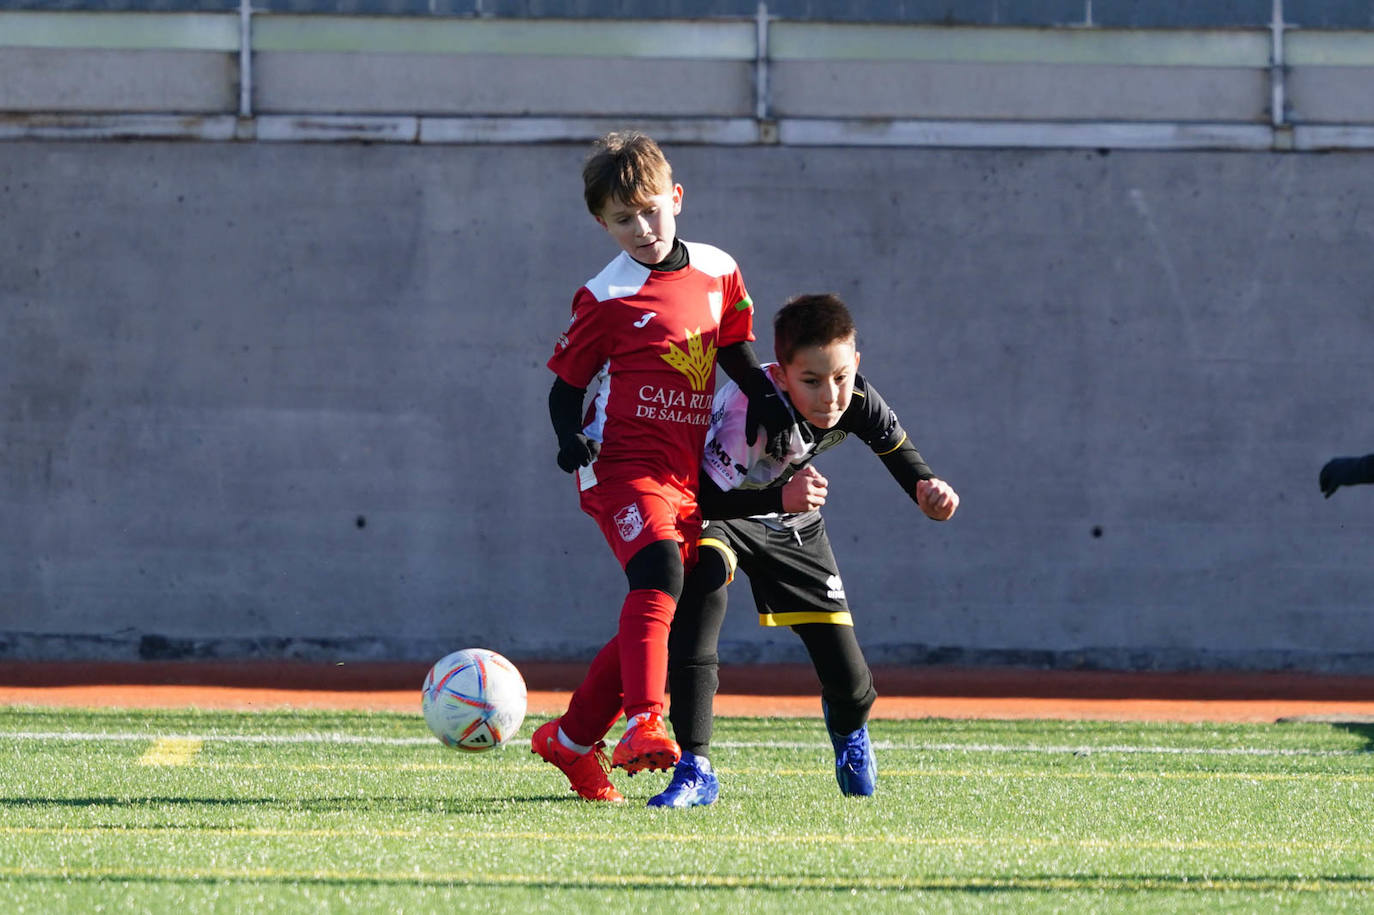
<point x="128" y="811"/>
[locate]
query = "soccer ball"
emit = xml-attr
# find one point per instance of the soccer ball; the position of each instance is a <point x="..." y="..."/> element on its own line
<point x="473" y="700"/>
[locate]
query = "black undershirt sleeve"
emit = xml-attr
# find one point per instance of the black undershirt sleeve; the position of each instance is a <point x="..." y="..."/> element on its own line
<point x="739" y="361"/>
<point x="1364" y="470"/>
<point x="718" y="505"/>
<point x="565" y="408"/>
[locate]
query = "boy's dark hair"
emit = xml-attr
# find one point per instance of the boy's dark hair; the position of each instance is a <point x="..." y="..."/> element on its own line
<point x="817" y="319"/>
<point x="627" y="167"/>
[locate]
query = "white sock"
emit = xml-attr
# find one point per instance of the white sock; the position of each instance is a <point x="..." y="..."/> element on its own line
<point x="577" y="748"/>
<point x="637" y="720"/>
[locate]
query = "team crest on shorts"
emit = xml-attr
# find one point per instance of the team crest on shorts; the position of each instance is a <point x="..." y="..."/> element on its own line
<point x="629" y="522"/>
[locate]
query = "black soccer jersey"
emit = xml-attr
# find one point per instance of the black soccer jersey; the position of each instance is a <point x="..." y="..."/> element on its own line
<point x="741" y="480"/>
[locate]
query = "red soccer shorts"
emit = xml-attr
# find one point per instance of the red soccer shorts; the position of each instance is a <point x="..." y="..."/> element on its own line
<point x="635" y="513"/>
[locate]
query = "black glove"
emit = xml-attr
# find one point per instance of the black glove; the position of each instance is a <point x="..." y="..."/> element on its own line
<point x="766" y="407"/>
<point x="1338" y="472"/>
<point x="768" y="410"/>
<point x="576" y="451"/>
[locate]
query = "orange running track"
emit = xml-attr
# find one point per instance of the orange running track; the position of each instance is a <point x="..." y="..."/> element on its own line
<point x="784" y="690"/>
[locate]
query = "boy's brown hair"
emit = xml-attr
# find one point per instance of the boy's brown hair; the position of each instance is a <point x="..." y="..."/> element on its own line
<point x="817" y="319"/>
<point x="627" y="167"/>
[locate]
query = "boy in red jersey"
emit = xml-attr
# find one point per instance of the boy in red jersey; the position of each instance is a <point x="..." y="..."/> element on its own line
<point x="650" y="329"/>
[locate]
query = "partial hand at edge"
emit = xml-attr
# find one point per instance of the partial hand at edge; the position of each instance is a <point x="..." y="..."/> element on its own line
<point x="937" y="499"/>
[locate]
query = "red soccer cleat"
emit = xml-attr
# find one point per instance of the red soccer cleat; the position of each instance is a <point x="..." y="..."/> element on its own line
<point x="645" y="745"/>
<point x="586" y="772"/>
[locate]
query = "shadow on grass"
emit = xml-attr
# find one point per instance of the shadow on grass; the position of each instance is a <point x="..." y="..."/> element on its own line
<point x="1361" y="729"/>
<point x="1193" y="884"/>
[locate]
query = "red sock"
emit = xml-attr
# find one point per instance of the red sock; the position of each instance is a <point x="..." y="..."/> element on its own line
<point x="643" y="637"/>
<point x="595" y="704"/>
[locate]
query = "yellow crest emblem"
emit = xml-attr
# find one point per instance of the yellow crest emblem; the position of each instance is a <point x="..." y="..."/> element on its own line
<point x="698" y="363"/>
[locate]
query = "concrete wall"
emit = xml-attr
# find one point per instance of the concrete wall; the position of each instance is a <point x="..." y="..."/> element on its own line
<point x="289" y="400"/>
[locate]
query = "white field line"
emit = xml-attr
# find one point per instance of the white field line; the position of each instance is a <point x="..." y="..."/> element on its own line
<point x="1051" y="749"/>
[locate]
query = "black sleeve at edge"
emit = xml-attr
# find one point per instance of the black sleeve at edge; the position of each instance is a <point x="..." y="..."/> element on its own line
<point x="565" y="408"/>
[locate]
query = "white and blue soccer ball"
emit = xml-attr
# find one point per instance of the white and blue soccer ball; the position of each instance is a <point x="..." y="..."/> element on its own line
<point x="473" y="700"/>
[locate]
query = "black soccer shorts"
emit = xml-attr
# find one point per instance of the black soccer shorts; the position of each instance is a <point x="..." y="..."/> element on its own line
<point x="792" y="572"/>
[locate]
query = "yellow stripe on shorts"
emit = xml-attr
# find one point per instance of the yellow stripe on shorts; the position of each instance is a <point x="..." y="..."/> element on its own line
<point x="837" y="618"/>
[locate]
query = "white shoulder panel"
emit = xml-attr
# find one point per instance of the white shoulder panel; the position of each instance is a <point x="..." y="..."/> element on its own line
<point x="709" y="259"/>
<point x="621" y="277"/>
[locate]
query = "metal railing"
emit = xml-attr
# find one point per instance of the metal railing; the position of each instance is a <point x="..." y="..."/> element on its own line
<point x="773" y="53"/>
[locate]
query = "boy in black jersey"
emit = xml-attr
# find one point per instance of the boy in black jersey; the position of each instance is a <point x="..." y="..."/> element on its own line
<point x="763" y="516"/>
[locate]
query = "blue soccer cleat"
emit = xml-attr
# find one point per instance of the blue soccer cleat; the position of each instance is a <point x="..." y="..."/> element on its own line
<point x="694" y="784"/>
<point x="856" y="768"/>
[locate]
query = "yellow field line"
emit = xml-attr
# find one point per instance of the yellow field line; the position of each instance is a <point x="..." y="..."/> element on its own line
<point x="1033" y="774"/>
<point x="700" y="839"/>
<point x="171" y="751"/>
<point x="1135" y="776"/>
<point x="1125" y="882"/>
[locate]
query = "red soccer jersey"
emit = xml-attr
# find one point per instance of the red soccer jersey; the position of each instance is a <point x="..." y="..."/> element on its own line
<point x="650" y="338"/>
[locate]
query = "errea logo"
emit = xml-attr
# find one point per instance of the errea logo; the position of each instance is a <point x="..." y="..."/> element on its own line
<point x="836" y="588"/>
